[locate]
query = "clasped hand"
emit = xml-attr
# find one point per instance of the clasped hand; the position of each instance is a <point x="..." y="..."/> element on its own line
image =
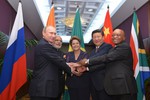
<point x="77" y="68"/>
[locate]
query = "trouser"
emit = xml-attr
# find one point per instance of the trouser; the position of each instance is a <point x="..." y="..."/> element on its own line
<point x="125" y="97"/>
<point x="99" y="95"/>
<point x="79" y="93"/>
<point x="41" y="98"/>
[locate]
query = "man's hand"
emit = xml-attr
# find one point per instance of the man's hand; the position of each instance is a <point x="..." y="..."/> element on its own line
<point x="77" y="73"/>
<point x="76" y="68"/>
<point x="82" y="69"/>
<point x="83" y="62"/>
<point x="74" y="65"/>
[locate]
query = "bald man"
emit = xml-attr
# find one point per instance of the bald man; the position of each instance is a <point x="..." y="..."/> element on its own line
<point x="119" y="80"/>
<point x="45" y="82"/>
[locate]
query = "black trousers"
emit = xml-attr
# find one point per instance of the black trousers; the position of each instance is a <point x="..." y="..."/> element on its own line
<point x="41" y="98"/>
<point x="125" y="97"/>
<point x="79" y="93"/>
<point x="99" y="95"/>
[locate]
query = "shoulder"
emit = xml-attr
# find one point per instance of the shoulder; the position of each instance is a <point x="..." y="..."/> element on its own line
<point x="44" y="45"/>
<point x="69" y="53"/>
<point x="124" y="45"/>
<point x="43" y="42"/>
<point x="106" y="45"/>
<point x="83" y="52"/>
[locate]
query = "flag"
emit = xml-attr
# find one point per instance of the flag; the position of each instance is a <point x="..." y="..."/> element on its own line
<point x="51" y="17"/>
<point x="77" y="30"/>
<point x="107" y="29"/>
<point x="13" y="74"/>
<point x="140" y="64"/>
<point x="66" y="94"/>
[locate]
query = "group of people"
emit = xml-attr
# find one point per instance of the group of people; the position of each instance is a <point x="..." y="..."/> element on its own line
<point x="105" y="74"/>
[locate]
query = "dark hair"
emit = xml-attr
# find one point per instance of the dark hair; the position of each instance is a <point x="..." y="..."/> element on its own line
<point x="74" y="38"/>
<point x="98" y="31"/>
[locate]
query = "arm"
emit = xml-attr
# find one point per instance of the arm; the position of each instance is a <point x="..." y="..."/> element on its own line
<point x="96" y="67"/>
<point x="51" y="54"/>
<point x="118" y="53"/>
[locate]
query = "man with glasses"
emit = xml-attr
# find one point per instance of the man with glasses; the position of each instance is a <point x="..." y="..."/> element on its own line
<point x="61" y="75"/>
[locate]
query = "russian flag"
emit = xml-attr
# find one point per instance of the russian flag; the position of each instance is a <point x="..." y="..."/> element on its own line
<point x="13" y="74"/>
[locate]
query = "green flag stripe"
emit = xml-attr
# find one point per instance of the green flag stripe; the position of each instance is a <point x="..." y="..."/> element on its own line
<point x="77" y="28"/>
<point x="144" y="72"/>
<point x="76" y="31"/>
<point x="135" y="20"/>
<point x="143" y="60"/>
<point x="138" y="78"/>
<point x="140" y="94"/>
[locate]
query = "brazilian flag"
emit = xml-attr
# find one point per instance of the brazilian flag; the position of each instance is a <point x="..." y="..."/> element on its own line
<point x="77" y="30"/>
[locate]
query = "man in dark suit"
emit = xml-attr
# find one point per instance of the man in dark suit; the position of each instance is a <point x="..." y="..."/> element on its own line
<point x="119" y="80"/>
<point x="45" y="82"/>
<point x="97" y="74"/>
<point x="61" y="75"/>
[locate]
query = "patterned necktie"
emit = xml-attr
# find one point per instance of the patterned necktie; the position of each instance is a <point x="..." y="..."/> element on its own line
<point x="96" y="49"/>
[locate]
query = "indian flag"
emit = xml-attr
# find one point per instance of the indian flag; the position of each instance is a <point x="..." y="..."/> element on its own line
<point x="51" y="17"/>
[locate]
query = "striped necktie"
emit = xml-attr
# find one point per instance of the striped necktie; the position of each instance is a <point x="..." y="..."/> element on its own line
<point x="96" y="49"/>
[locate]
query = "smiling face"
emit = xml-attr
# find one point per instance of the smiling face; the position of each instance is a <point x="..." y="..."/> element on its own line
<point x="49" y="34"/>
<point x="97" y="39"/>
<point x="118" y="36"/>
<point x="58" y="42"/>
<point x="75" y="44"/>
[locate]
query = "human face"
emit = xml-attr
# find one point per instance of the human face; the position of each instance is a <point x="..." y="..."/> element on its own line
<point x="75" y="45"/>
<point x="118" y="36"/>
<point x="97" y="39"/>
<point x="58" y="42"/>
<point x="49" y="34"/>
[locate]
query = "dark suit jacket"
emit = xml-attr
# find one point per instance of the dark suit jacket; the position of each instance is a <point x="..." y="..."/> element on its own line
<point x="119" y="78"/>
<point x="97" y="73"/>
<point x="45" y="82"/>
<point x="61" y="75"/>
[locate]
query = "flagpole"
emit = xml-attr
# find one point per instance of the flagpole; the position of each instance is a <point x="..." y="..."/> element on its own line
<point x="108" y="7"/>
<point x="134" y="9"/>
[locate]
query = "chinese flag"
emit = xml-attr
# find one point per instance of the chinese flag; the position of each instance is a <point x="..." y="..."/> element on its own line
<point x="107" y="29"/>
<point x="51" y="17"/>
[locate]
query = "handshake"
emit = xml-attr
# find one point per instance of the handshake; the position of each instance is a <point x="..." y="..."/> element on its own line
<point x="79" y="67"/>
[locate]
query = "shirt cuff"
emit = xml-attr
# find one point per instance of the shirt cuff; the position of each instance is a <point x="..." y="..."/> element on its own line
<point x="87" y="68"/>
<point x="87" y="62"/>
